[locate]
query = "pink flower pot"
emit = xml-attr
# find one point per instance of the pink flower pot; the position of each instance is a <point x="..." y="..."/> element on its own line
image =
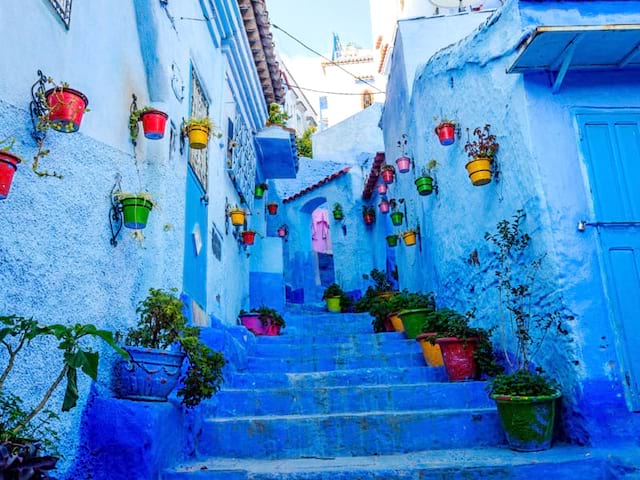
<point x="382" y="188"/>
<point x="384" y="206"/>
<point x="253" y="323"/>
<point x="404" y="164"/>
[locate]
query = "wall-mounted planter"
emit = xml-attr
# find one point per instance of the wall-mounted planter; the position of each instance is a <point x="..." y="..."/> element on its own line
<point x="8" y="166"/>
<point x="424" y="185"/>
<point x="259" y="191"/>
<point x="272" y="208"/>
<point x="198" y="136"/>
<point x="479" y="170"/>
<point x="368" y="218"/>
<point x="388" y="174"/>
<point x="446" y="133"/>
<point x="151" y="374"/>
<point x="396" y="218"/>
<point x="392" y="240"/>
<point x="382" y="188"/>
<point x="338" y="214"/>
<point x="254" y="324"/>
<point x="66" y="108"/>
<point x="282" y="232"/>
<point x="135" y="210"/>
<point x="404" y="164"/>
<point x="431" y="353"/>
<point x="153" y="124"/>
<point x="458" y="357"/>
<point x="527" y="421"/>
<point x="248" y="237"/>
<point x="409" y="238"/>
<point x="237" y="216"/>
<point x="384" y="206"/>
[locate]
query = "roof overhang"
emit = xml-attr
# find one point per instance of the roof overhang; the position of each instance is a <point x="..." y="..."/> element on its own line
<point x="277" y="152"/>
<point x="562" y="49"/>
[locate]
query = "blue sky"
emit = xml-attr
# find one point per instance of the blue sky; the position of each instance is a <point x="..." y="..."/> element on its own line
<point x="314" y="23"/>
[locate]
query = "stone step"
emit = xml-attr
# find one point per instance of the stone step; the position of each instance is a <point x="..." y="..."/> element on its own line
<point x="372" y="344"/>
<point x="340" y="362"/>
<point x="330" y="338"/>
<point x="348" y="434"/>
<point x="289" y="401"/>
<point x="336" y="378"/>
<point x="560" y="463"/>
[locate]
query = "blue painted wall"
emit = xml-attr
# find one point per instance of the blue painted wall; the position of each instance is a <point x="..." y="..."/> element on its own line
<point x="467" y="82"/>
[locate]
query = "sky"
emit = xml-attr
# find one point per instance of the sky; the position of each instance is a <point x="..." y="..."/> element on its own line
<point x="314" y="24"/>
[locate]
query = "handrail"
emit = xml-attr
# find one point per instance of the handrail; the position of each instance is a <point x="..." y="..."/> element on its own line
<point x="583" y="224"/>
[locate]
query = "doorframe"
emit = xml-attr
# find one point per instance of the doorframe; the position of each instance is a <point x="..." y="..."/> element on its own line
<point x="633" y="403"/>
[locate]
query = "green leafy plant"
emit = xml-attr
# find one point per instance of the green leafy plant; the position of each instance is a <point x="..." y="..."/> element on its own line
<point x="524" y="326"/>
<point x="304" y="144"/>
<point x="134" y="120"/>
<point x="380" y="307"/>
<point x="388" y="168"/>
<point x="485" y="144"/>
<point x="427" y="170"/>
<point x="335" y="290"/>
<point x="277" y="115"/>
<point x="381" y="283"/>
<point x="203" y="122"/>
<point x="161" y="323"/>
<point x="523" y="383"/>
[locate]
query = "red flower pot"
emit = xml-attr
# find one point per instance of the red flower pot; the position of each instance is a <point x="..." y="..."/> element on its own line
<point x="458" y="358"/>
<point x="368" y="219"/>
<point x="404" y="164"/>
<point x="387" y="176"/>
<point x="8" y="166"/>
<point x="384" y="206"/>
<point x="446" y="133"/>
<point x="153" y="124"/>
<point x="248" y="237"/>
<point x="66" y="108"/>
<point x="272" y="208"/>
<point x="382" y="188"/>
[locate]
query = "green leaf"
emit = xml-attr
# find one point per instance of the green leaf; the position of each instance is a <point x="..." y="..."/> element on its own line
<point x="71" y="393"/>
<point x="4" y="332"/>
<point x="107" y="336"/>
<point x="86" y="360"/>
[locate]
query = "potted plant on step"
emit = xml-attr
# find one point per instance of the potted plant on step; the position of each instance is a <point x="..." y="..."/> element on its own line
<point x="8" y="166"/>
<point x="446" y="132"/>
<point x="388" y="173"/>
<point x="410" y="237"/>
<point x="260" y="189"/>
<point x="152" y="371"/>
<point x="403" y="162"/>
<point x="434" y="321"/>
<point x="396" y="215"/>
<point x="525" y="396"/>
<point x="338" y="214"/>
<point x="481" y="153"/>
<point x="135" y="208"/>
<point x="262" y="321"/>
<point x="368" y="214"/>
<point x="336" y="299"/>
<point x="413" y="311"/>
<point x="424" y="183"/>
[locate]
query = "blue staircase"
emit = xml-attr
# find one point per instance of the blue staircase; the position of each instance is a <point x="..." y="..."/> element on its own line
<point x="329" y="400"/>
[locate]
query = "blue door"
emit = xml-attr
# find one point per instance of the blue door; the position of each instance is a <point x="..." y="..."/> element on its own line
<point x="611" y="147"/>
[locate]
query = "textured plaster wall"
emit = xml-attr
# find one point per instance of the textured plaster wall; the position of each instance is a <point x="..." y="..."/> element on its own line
<point x="467" y="82"/>
<point x="57" y="263"/>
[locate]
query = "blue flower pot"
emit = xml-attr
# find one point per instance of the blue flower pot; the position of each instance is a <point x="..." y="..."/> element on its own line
<point x="150" y="375"/>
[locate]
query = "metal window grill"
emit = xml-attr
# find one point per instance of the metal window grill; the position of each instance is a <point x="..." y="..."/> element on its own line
<point x="242" y="165"/>
<point x="198" y="159"/>
<point x="63" y="9"/>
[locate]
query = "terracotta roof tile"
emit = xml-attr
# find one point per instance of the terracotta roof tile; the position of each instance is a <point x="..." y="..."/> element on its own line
<point x="325" y="180"/>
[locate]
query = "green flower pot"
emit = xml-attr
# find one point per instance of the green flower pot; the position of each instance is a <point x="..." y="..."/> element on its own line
<point x="527" y="421"/>
<point x="396" y="218"/>
<point x="338" y="215"/>
<point x="392" y="240"/>
<point x="135" y="211"/>
<point x="259" y="193"/>
<point x="424" y="185"/>
<point x="413" y="320"/>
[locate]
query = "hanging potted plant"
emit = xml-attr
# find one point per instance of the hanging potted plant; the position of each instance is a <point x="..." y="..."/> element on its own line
<point x="153" y="371"/>
<point x="384" y="206"/>
<point x="481" y="153"/>
<point x="525" y="396"/>
<point x="8" y="166"/>
<point x="424" y="183"/>
<point x="283" y="231"/>
<point x="338" y="214"/>
<point x="368" y="214"/>
<point x="388" y="173"/>
<point x="198" y="130"/>
<point x="260" y="189"/>
<point x="392" y="240"/>
<point x="409" y="236"/>
<point x="135" y="208"/>
<point x="382" y="188"/>
<point x="66" y="107"/>
<point x="248" y="237"/>
<point x="237" y="216"/>
<point x="272" y="208"/>
<point x="396" y="215"/>
<point x="446" y="132"/>
<point x="403" y="162"/>
<point x="153" y="123"/>
<point x="262" y="321"/>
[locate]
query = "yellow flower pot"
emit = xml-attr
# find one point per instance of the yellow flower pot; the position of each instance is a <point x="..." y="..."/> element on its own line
<point x="333" y="304"/>
<point x="237" y="217"/>
<point x="479" y="170"/>
<point x="409" y="238"/>
<point x="198" y="136"/>
<point x="431" y="353"/>
<point x="396" y="321"/>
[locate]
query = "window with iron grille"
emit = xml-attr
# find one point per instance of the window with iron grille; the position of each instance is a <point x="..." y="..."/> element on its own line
<point x="63" y="8"/>
<point x="241" y="159"/>
<point x="198" y="159"/>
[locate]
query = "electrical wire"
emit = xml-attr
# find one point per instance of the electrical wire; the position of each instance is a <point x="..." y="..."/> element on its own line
<point x="322" y="56"/>
<point x="332" y="93"/>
